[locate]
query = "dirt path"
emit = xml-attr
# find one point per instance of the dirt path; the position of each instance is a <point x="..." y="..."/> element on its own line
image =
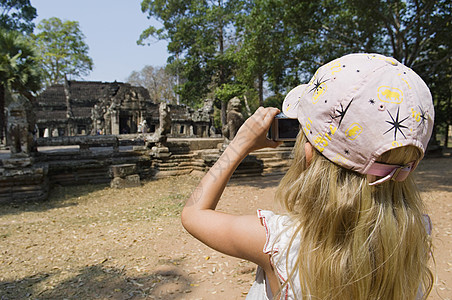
<point x="93" y="242"/>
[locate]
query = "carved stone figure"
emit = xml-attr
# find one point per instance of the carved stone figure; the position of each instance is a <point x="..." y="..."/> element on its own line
<point x="164" y="119"/>
<point x="21" y="126"/>
<point x="157" y="142"/>
<point x="234" y="119"/>
<point x="107" y="117"/>
<point x="160" y="135"/>
<point x="96" y="118"/>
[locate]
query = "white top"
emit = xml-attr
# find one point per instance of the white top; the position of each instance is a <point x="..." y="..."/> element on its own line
<point x="277" y="240"/>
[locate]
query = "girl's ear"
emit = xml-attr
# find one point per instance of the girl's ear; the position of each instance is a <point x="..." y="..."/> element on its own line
<point x="308" y="151"/>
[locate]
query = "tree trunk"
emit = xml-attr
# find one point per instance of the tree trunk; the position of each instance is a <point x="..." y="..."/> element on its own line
<point x="222" y="80"/>
<point x="223" y="113"/>
<point x="261" y="90"/>
<point x="2" y="113"/>
<point x="221" y="74"/>
<point x="449" y="111"/>
<point x="446" y="138"/>
<point x="248" y="110"/>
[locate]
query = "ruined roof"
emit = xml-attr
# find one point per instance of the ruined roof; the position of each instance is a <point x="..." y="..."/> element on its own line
<point x="86" y="91"/>
<point x="84" y="95"/>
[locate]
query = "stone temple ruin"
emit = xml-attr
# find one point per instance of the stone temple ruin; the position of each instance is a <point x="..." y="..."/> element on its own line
<point x="94" y="108"/>
<point x="87" y="118"/>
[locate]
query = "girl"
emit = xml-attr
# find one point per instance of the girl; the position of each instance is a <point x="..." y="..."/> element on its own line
<point x="354" y="227"/>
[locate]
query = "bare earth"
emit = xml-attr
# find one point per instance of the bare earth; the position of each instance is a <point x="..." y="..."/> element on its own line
<point x="93" y="242"/>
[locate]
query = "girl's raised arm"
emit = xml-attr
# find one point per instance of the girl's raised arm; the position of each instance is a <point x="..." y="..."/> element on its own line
<point x="238" y="236"/>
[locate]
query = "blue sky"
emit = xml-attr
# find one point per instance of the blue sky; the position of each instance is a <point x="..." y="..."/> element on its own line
<point x="111" y="28"/>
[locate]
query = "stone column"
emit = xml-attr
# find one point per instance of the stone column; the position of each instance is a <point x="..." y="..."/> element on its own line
<point x="115" y="122"/>
<point x="70" y="127"/>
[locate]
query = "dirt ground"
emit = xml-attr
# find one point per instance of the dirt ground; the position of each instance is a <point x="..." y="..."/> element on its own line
<point x="93" y="242"/>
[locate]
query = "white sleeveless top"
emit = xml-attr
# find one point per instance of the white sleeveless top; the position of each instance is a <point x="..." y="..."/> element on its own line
<point x="277" y="240"/>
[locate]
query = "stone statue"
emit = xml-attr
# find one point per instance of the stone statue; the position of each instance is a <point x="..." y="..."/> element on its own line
<point x="164" y="119"/>
<point x="96" y="117"/>
<point x="20" y="128"/>
<point x="107" y="117"/>
<point x="157" y="141"/>
<point x="160" y="135"/>
<point x="234" y="119"/>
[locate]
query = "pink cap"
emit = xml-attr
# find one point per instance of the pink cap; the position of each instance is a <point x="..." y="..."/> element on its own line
<point x="359" y="106"/>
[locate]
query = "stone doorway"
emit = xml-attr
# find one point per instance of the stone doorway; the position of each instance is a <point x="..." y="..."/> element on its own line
<point x="125" y="124"/>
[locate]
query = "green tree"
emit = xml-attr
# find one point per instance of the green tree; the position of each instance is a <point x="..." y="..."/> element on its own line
<point x="17" y="15"/>
<point x="252" y="44"/>
<point x="417" y="33"/>
<point x="19" y="70"/>
<point x="436" y="66"/>
<point x="63" y="50"/>
<point x="259" y="32"/>
<point x="317" y="32"/>
<point x="199" y="34"/>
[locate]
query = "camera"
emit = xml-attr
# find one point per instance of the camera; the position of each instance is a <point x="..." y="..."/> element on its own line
<point x="283" y="128"/>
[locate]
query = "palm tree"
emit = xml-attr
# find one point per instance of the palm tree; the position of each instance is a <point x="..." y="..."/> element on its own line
<point x="19" y="70"/>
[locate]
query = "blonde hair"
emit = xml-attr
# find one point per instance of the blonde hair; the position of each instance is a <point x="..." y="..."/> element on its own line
<point x="356" y="241"/>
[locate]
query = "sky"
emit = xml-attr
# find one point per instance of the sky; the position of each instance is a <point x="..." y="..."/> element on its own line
<point x="111" y="29"/>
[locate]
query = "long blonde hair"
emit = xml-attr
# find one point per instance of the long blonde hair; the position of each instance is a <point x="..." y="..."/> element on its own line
<point x="356" y="241"/>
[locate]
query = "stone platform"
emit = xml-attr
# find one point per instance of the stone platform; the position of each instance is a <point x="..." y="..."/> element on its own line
<point x="71" y="165"/>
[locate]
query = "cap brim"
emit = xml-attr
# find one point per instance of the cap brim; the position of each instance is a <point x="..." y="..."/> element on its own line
<point x="290" y="104"/>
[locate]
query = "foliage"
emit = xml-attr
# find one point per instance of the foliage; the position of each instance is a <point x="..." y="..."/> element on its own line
<point x="259" y="56"/>
<point x="19" y="70"/>
<point x="279" y="44"/>
<point x="227" y="91"/>
<point x="223" y="94"/>
<point x="217" y="118"/>
<point x="158" y="81"/>
<point x="17" y="15"/>
<point x="198" y="33"/>
<point x="274" y="101"/>
<point x="436" y="67"/>
<point x="62" y="49"/>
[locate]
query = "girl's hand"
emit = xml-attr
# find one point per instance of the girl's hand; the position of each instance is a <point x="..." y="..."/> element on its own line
<point x="252" y="135"/>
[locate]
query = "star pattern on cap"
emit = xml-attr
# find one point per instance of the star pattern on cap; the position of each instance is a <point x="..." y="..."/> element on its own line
<point x="423" y="117"/>
<point x="341" y="113"/>
<point x="295" y="105"/>
<point x="396" y="125"/>
<point x="318" y="83"/>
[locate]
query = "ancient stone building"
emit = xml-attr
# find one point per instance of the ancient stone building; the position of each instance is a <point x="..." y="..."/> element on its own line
<point x="86" y="107"/>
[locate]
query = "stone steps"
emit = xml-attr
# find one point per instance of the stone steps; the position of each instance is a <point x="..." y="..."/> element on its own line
<point x="276" y="161"/>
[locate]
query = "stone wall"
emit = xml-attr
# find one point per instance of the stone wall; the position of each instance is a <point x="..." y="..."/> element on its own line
<point x="22" y="179"/>
<point x="71" y="165"/>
